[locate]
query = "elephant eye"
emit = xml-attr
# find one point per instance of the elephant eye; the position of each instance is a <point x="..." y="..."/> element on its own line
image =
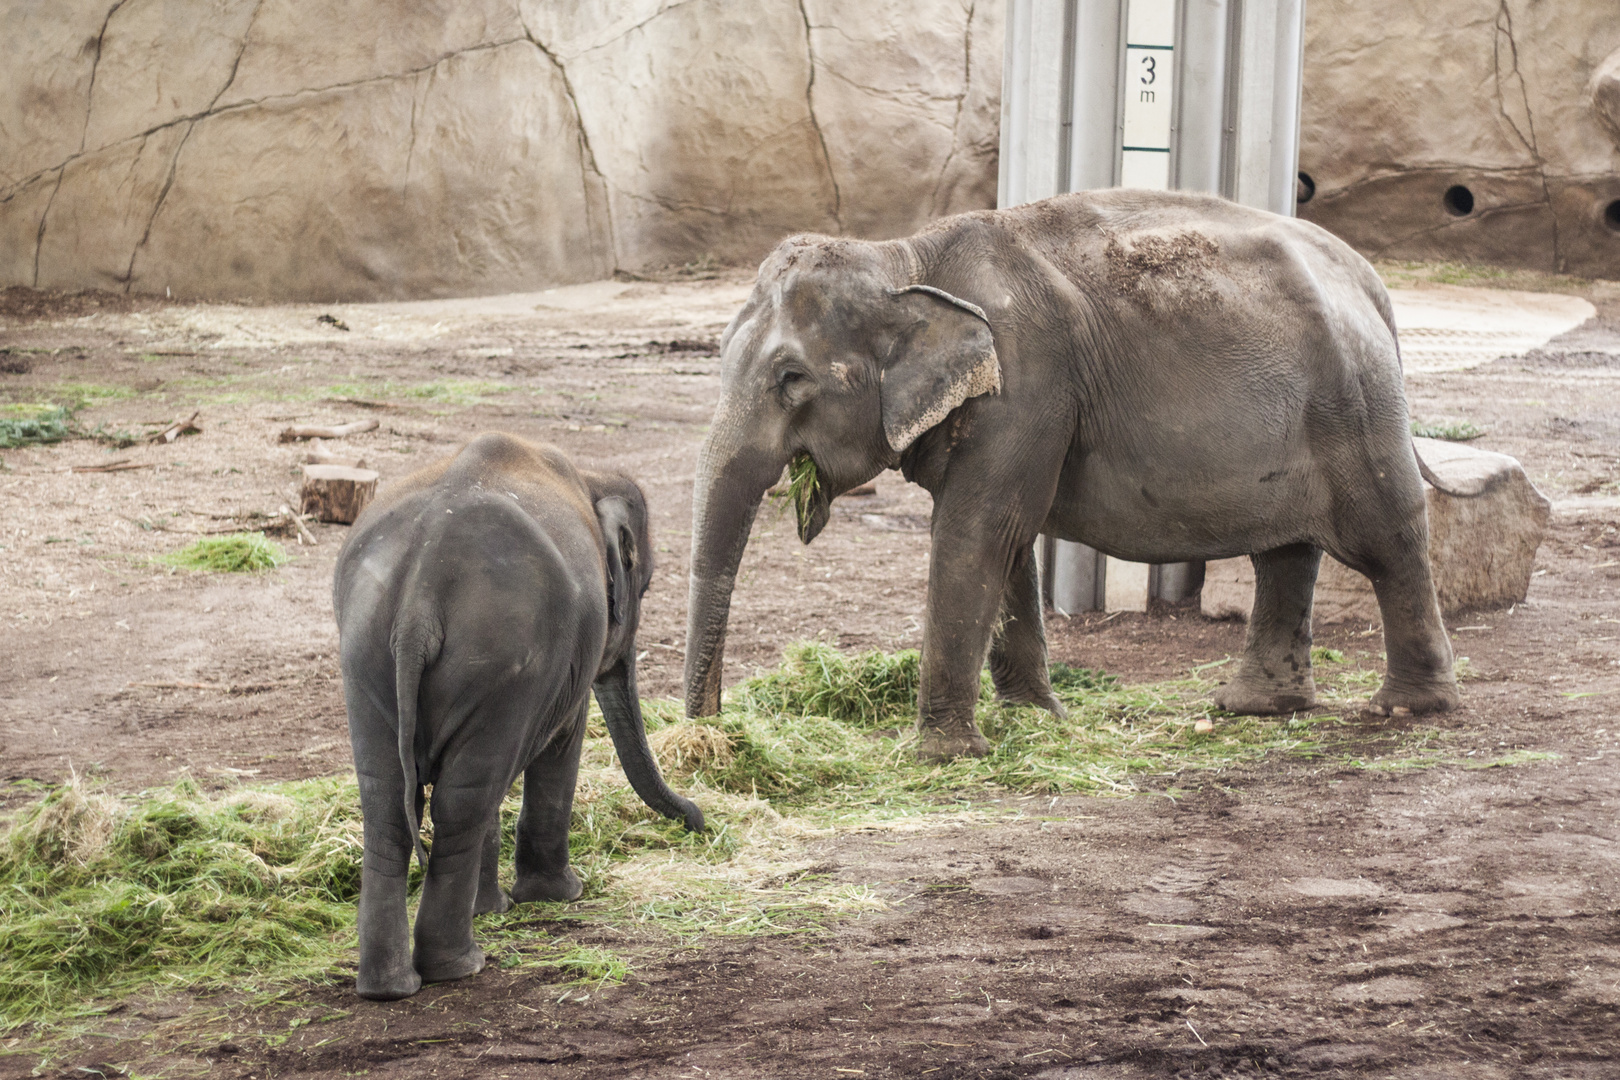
<point x="790" y="377"/>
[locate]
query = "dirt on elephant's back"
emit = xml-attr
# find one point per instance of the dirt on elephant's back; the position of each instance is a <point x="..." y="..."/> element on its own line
<point x="1184" y="259"/>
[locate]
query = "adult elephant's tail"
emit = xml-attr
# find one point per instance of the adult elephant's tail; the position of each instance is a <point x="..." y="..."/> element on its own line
<point x="1386" y="311"/>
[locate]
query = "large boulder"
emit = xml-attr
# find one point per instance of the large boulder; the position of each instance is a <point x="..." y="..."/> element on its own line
<point x="1484" y="530"/>
<point x="383" y="149"/>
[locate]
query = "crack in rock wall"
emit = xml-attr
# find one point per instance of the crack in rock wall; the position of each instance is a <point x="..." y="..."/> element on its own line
<point x="1404" y="102"/>
<point x="409" y="148"/>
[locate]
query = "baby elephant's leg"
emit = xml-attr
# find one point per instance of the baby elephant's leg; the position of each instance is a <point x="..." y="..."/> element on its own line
<point x="543" y="872"/>
<point x="464" y="804"/>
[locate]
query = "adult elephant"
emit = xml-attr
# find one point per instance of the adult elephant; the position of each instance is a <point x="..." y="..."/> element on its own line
<point x="1159" y="375"/>
<point x="478" y="601"/>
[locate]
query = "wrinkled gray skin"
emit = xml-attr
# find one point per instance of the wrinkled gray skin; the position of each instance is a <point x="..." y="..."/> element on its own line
<point x="1162" y="376"/>
<point x="478" y="600"/>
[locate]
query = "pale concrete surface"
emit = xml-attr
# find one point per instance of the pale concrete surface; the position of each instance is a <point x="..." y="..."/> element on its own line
<point x="680" y="306"/>
<point x="1453" y="327"/>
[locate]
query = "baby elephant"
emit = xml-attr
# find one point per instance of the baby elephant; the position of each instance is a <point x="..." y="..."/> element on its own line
<point x="478" y="601"/>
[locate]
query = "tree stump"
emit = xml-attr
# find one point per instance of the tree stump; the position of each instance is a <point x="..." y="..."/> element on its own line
<point x="337" y="493"/>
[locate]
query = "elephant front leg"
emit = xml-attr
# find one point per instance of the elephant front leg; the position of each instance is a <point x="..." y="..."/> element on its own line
<point x="386" y="971"/>
<point x="966" y="575"/>
<point x="543" y="872"/>
<point x="1018" y="647"/>
<point x="1275" y="676"/>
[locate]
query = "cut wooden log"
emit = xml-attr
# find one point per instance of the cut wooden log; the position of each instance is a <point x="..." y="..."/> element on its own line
<point x="1482" y="543"/>
<point x="293" y="434"/>
<point x="337" y="493"/>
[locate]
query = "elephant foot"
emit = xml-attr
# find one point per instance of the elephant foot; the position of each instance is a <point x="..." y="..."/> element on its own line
<point x="552" y="888"/>
<point x="937" y="745"/>
<point x="1396" y="699"/>
<point x="1248" y="699"/>
<point x="389" y="986"/>
<point x="494" y="904"/>
<point x="1040" y="699"/>
<point x="435" y="969"/>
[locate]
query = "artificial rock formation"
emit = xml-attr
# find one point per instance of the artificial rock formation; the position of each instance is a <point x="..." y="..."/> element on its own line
<point x="1483" y="537"/>
<point x="386" y="149"/>
<point x="1511" y="101"/>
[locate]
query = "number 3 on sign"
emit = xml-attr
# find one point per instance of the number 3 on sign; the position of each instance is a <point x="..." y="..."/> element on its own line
<point x="1150" y="65"/>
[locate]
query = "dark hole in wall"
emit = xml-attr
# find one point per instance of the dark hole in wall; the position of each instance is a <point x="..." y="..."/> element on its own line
<point x="1458" y="200"/>
<point x="1306" y="189"/>
<point x="1611" y="216"/>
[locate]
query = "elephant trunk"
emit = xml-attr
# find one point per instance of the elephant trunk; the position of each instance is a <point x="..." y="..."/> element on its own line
<point x="621" y="707"/>
<point x="731" y="479"/>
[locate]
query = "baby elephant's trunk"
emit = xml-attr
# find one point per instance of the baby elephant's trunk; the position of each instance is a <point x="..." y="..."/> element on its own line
<point x="621" y="708"/>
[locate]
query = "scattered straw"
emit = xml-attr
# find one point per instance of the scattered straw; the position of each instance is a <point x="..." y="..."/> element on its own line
<point x="103" y="895"/>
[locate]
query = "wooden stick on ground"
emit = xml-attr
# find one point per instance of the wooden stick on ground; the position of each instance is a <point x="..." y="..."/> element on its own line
<point x="304" y="535"/>
<point x="355" y="427"/>
<point x="188" y="426"/>
<point x="121" y="465"/>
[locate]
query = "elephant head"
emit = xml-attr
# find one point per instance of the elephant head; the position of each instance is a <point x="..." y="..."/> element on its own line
<point x="621" y="510"/>
<point x="840" y="356"/>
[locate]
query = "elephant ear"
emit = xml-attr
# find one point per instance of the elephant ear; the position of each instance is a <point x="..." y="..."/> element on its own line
<point x="620" y="540"/>
<point x="944" y="355"/>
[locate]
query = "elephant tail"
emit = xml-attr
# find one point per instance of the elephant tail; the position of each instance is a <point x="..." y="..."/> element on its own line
<point x="1387" y="311"/>
<point x="409" y="662"/>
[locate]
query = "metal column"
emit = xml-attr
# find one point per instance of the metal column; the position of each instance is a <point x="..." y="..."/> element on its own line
<point x="1199" y="95"/>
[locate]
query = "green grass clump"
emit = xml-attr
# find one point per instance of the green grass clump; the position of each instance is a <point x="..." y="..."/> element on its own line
<point x="832" y="732"/>
<point x="30" y="425"/>
<point x="235" y="553"/>
<point x="869" y="690"/>
<point x="101" y="895"/>
<point x="1450" y="430"/>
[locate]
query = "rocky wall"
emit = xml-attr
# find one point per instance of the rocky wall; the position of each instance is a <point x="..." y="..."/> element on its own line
<point x="1474" y="130"/>
<point x="376" y="149"/>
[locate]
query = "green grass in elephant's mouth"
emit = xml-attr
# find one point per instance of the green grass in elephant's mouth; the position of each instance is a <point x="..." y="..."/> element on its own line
<point x="799" y="492"/>
<point x="253" y="887"/>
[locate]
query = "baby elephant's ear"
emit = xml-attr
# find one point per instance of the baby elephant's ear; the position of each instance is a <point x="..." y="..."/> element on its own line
<point x="619" y="537"/>
<point x="944" y="355"/>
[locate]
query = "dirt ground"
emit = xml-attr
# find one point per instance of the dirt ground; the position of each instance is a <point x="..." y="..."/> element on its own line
<point x="1288" y="918"/>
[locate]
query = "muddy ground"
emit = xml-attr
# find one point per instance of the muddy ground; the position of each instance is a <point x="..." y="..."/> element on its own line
<point x="1291" y="918"/>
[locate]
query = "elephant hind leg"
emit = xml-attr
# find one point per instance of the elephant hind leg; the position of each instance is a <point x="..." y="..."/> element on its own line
<point x="386" y="972"/>
<point x="1418" y="677"/>
<point x="1018" y="647"/>
<point x="1275" y="676"/>
<point x="465" y="808"/>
